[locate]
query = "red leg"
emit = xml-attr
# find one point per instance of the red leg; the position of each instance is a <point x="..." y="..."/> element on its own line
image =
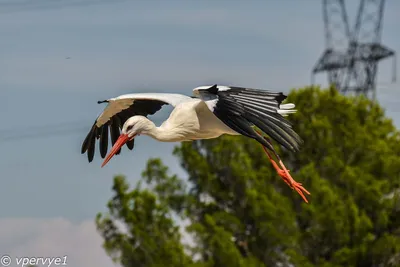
<point x="284" y="174"/>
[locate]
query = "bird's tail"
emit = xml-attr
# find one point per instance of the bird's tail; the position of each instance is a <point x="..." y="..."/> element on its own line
<point x="286" y="109"/>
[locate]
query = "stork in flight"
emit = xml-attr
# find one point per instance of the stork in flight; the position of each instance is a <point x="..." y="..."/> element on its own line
<point x="212" y="111"/>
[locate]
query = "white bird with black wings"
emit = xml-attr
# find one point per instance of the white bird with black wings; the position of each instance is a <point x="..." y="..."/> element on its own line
<point x="213" y="111"/>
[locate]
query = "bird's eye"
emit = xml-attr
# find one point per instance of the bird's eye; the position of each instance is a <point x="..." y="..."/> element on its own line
<point x="129" y="127"/>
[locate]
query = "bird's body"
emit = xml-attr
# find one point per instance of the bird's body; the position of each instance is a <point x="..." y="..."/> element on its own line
<point x="190" y="120"/>
<point x="212" y="112"/>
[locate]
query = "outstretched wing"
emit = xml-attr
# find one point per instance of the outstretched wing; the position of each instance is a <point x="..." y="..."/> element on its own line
<point x="241" y="108"/>
<point x="116" y="113"/>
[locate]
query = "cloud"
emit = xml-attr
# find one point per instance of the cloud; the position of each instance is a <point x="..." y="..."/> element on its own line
<point x="56" y="237"/>
<point x="59" y="237"/>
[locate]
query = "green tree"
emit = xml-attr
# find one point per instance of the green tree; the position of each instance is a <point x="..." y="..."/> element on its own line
<point x="241" y="213"/>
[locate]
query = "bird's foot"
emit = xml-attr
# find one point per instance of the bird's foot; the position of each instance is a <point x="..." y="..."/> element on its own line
<point x="284" y="174"/>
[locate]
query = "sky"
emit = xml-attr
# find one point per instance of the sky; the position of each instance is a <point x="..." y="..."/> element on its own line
<point x="50" y="194"/>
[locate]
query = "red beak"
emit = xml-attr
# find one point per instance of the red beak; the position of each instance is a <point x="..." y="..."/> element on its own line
<point x="123" y="138"/>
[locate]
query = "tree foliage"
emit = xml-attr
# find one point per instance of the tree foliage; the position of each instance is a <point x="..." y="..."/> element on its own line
<point x="241" y="213"/>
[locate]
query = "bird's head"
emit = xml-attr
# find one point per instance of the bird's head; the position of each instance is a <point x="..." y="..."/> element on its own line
<point x="133" y="126"/>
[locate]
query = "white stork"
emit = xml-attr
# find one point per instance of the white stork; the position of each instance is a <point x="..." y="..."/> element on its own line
<point x="212" y="111"/>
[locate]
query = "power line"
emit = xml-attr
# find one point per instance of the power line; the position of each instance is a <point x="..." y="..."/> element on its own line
<point x="57" y="129"/>
<point x="41" y="127"/>
<point x="53" y="132"/>
<point x="14" y="6"/>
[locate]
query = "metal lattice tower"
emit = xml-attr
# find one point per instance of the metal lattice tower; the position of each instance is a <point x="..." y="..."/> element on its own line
<point x="351" y="57"/>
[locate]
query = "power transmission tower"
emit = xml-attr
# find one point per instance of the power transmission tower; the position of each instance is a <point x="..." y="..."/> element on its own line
<point x="351" y="57"/>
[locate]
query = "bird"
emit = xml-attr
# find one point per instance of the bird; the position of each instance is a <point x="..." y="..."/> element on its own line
<point x="212" y="111"/>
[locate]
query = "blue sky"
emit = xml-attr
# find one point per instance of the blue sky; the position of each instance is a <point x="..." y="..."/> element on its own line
<point x="130" y="46"/>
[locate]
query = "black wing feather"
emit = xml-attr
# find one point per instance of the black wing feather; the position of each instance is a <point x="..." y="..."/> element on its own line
<point x="114" y="125"/>
<point x="130" y="144"/>
<point x="91" y="146"/>
<point x="115" y="132"/>
<point x="104" y="140"/>
<point x="241" y="108"/>
<point x="85" y="144"/>
<point x="239" y="124"/>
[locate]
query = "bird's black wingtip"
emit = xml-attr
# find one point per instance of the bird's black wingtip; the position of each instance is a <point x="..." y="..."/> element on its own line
<point x="280" y="98"/>
<point x="213" y="89"/>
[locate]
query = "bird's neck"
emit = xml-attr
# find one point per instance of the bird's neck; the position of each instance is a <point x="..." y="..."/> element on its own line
<point x="162" y="133"/>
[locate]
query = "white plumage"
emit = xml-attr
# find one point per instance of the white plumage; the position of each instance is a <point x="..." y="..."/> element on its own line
<point x="213" y="111"/>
